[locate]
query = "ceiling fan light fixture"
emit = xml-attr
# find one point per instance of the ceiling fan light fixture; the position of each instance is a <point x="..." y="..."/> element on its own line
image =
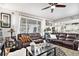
<point x="52" y="7"/>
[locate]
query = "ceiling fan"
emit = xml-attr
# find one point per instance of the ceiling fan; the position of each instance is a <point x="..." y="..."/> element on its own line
<point x="53" y="6"/>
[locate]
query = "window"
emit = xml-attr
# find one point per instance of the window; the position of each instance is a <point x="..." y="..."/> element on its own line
<point x="1" y="36"/>
<point x="23" y="25"/>
<point x="30" y="26"/>
<point x="48" y="23"/>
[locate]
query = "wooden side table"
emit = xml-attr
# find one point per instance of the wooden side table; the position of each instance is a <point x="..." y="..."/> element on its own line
<point x="7" y="50"/>
<point x="8" y="46"/>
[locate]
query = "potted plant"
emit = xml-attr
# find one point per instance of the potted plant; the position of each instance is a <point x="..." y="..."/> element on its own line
<point x="47" y="29"/>
<point x="46" y="32"/>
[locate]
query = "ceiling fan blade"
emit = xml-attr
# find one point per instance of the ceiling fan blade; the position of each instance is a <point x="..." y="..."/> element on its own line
<point x="52" y="10"/>
<point x="52" y="4"/>
<point x="46" y="7"/>
<point x="60" y="5"/>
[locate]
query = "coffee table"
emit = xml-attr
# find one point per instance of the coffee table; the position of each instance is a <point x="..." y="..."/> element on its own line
<point x="41" y="50"/>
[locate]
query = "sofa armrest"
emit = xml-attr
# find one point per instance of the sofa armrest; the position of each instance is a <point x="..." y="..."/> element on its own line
<point x="42" y="38"/>
<point x="0" y="52"/>
<point x="19" y="44"/>
<point x="75" y="44"/>
<point x="76" y="41"/>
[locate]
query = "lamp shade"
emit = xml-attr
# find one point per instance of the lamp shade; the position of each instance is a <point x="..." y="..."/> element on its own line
<point x="11" y="30"/>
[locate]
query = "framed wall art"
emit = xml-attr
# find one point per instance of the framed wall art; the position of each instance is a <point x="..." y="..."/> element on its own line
<point x="48" y="23"/>
<point x="5" y="20"/>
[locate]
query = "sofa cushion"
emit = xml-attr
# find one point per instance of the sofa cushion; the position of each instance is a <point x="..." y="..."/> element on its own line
<point x="59" y="41"/>
<point x="71" y="37"/>
<point x="38" y="41"/>
<point x="68" y="42"/>
<point x="35" y="36"/>
<point x="61" y="38"/>
<point x="62" y="35"/>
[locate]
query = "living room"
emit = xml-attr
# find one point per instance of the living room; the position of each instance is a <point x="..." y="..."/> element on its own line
<point x="39" y="29"/>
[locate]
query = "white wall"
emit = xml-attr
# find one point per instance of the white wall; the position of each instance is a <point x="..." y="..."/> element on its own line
<point x="15" y="22"/>
<point x="5" y="30"/>
<point x="68" y="20"/>
<point x="43" y="26"/>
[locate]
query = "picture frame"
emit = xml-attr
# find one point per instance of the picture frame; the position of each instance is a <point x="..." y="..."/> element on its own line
<point x="5" y="20"/>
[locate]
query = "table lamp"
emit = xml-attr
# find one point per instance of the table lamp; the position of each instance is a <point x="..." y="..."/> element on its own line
<point x="11" y="31"/>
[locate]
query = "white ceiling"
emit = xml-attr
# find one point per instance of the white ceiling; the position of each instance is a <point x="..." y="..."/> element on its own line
<point x="35" y="9"/>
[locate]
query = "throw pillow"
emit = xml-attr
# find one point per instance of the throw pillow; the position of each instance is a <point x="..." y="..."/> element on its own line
<point x="53" y="36"/>
<point x="25" y="39"/>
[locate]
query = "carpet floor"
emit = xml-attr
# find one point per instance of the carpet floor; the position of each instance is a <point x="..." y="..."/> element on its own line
<point x="68" y="52"/>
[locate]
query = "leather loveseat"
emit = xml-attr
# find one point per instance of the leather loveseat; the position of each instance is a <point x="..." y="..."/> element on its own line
<point x="36" y="37"/>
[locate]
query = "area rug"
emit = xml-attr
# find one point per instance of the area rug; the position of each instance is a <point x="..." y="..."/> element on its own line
<point x="60" y="52"/>
<point x="67" y="52"/>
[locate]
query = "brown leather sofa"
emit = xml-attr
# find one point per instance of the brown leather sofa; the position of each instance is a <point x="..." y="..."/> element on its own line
<point x="68" y="40"/>
<point x="36" y="37"/>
